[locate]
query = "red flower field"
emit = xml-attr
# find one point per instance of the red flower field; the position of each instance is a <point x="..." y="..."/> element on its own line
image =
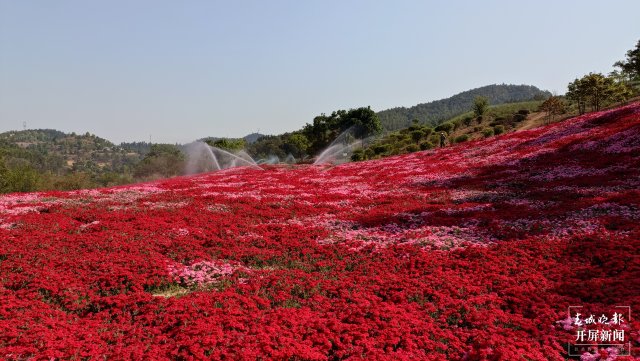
<point x="472" y="252"/>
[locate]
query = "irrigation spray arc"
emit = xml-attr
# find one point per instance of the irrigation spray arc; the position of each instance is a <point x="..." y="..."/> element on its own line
<point x="342" y="148"/>
<point x="201" y="157"/>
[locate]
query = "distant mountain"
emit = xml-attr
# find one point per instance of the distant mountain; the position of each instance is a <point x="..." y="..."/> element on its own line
<point x="435" y="112"/>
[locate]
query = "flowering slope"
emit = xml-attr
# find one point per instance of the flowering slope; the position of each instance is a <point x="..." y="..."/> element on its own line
<point x="470" y="252"/>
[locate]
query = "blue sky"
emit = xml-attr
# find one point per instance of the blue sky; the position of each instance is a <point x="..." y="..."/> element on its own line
<point x="182" y="70"/>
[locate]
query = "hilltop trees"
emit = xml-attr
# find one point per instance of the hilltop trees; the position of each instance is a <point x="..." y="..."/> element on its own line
<point x="627" y="78"/>
<point x="592" y="89"/>
<point x="597" y="87"/>
<point x="577" y="93"/>
<point x="620" y="89"/>
<point x="630" y="67"/>
<point x="596" y="90"/>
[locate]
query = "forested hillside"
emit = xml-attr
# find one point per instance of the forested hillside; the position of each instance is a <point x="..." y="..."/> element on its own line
<point x="50" y="159"/>
<point x="53" y="150"/>
<point x="437" y="111"/>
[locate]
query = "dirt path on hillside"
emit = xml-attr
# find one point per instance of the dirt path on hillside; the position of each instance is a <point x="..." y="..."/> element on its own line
<point x="534" y="120"/>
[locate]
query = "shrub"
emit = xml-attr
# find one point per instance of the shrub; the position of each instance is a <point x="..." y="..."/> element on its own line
<point x="487" y="132"/>
<point x="524" y="112"/>
<point x="412" y="148"/>
<point x="76" y="180"/>
<point x="417" y="135"/>
<point x="467" y="120"/>
<point x="395" y="136"/>
<point x="357" y="155"/>
<point x="461" y="138"/>
<point x="498" y="129"/>
<point x="480" y="105"/>
<point x="519" y="117"/>
<point x="444" y="127"/>
<point x="497" y="121"/>
<point x="382" y="148"/>
<point x="426" y="145"/>
<point x="369" y="153"/>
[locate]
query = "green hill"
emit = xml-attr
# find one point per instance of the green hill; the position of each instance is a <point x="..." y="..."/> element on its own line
<point x="498" y="119"/>
<point x="38" y="159"/>
<point x="55" y="151"/>
<point x="435" y="112"/>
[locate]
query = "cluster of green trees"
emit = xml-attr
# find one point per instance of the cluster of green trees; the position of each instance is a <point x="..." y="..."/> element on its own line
<point x="324" y="129"/>
<point x="230" y="144"/>
<point x="315" y="136"/>
<point x="17" y="179"/>
<point x="553" y="107"/>
<point x="162" y="161"/>
<point x="629" y="68"/>
<point x="22" y="176"/>
<point x="596" y="90"/>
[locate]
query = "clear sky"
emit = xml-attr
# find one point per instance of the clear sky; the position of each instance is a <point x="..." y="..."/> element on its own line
<point x="181" y="70"/>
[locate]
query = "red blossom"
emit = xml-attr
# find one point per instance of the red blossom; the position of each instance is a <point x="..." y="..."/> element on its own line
<point x="472" y="252"/>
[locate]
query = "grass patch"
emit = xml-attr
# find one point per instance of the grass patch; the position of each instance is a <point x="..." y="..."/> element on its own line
<point x="168" y="290"/>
